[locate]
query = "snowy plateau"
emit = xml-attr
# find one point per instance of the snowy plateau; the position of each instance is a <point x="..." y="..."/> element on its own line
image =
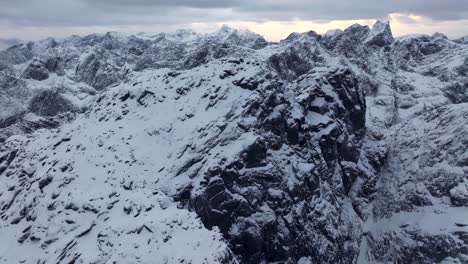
<point x="344" y="147"/>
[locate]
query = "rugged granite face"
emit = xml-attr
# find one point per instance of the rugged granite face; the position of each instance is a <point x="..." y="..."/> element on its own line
<point x="347" y="147"/>
<point x="309" y="130"/>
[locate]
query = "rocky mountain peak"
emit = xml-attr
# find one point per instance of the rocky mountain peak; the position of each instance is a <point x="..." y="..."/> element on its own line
<point x="333" y="32"/>
<point x="357" y="30"/>
<point x="242" y="37"/>
<point x="439" y="35"/>
<point x="462" y="40"/>
<point x="7" y="43"/>
<point x="380" y="35"/>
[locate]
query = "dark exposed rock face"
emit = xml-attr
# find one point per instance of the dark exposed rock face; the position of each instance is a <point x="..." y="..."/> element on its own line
<point x="349" y="41"/>
<point x="36" y="70"/>
<point x="290" y="64"/>
<point x="23" y="125"/>
<point x="457" y="92"/>
<point x="17" y="54"/>
<point x="417" y="48"/>
<point x="381" y="35"/>
<point x="49" y="103"/>
<point x="96" y="72"/>
<point x="10" y="82"/>
<point x="253" y="199"/>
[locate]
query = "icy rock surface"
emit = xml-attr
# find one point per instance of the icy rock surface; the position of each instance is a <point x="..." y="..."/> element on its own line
<point x="347" y="147"/>
<point x="380" y="35"/>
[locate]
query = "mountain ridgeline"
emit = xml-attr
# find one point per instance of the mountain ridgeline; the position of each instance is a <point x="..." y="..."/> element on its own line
<point x="344" y="147"/>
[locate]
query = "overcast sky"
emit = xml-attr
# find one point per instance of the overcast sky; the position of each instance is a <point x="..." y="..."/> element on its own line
<point x="275" y="19"/>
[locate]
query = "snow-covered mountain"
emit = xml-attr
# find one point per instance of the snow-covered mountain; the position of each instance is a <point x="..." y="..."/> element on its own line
<point x="347" y="147"/>
<point x="6" y="43"/>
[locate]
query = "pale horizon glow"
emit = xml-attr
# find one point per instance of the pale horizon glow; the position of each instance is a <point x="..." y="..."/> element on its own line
<point x="278" y="30"/>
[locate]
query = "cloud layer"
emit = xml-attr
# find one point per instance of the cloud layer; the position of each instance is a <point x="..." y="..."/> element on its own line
<point x="55" y="14"/>
<point x="119" y="12"/>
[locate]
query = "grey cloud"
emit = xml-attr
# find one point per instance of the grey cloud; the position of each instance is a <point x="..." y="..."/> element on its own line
<point x="354" y="9"/>
<point x="56" y="13"/>
<point x="311" y="9"/>
<point x="172" y="3"/>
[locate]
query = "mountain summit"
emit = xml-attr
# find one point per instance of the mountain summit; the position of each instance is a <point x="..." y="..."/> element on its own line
<point x="380" y="35"/>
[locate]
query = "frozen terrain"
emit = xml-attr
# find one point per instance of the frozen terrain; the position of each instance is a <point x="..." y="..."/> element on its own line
<point x="347" y="147"/>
